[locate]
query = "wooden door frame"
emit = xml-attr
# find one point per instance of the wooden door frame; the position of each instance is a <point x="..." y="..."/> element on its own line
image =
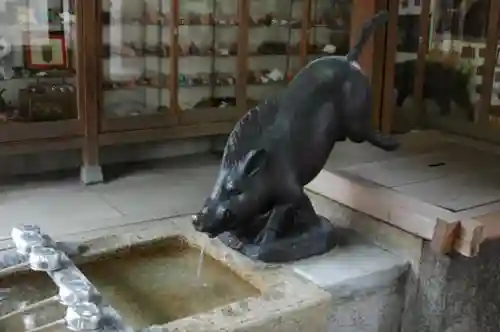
<point x="389" y="59"/>
<point x="372" y="59"/>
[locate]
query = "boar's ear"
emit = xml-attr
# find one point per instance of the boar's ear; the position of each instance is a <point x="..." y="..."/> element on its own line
<point x="254" y="161"/>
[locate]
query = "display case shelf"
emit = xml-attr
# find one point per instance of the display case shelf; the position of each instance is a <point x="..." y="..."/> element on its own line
<point x="329" y="28"/>
<point x="38" y="76"/>
<point x="192" y="67"/>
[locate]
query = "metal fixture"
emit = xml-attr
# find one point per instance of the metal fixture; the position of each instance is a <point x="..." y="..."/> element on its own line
<point x="73" y="291"/>
<point x="83" y="317"/>
<point x="26" y="239"/>
<point x="85" y="310"/>
<point x="19" y="230"/>
<point x="44" y="259"/>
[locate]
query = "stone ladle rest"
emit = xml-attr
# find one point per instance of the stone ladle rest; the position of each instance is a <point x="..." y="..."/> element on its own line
<point x="258" y="205"/>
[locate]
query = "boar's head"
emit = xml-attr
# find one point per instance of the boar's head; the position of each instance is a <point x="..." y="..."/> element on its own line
<point x="240" y="194"/>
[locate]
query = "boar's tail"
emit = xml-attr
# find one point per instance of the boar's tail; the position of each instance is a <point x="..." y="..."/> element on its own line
<point x="366" y="32"/>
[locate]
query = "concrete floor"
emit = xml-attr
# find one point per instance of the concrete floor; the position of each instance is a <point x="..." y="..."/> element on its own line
<point x="60" y="204"/>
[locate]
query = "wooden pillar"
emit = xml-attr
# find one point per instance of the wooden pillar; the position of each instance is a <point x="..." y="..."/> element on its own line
<point x="388" y="100"/>
<point x="242" y="60"/>
<point x="361" y="11"/>
<point x="373" y="57"/>
<point x="87" y="66"/>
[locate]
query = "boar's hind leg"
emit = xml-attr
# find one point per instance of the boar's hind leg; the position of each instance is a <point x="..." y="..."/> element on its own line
<point x="275" y="223"/>
<point x="384" y="142"/>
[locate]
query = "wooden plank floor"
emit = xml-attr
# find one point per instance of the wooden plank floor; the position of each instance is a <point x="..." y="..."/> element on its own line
<point x="454" y="174"/>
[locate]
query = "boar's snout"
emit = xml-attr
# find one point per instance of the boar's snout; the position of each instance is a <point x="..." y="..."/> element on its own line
<point x="196" y="219"/>
<point x="214" y="223"/>
<point x="201" y="224"/>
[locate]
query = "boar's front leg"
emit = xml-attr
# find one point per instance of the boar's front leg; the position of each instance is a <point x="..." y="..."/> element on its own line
<point x="254" y="227"/>
<point x="275" y="223"/>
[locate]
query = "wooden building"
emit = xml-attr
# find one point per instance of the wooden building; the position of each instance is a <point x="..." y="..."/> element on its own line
<point x="85" y="74"/>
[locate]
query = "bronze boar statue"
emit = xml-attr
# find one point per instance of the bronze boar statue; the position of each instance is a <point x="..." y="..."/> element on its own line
<point x="258" y="205"/>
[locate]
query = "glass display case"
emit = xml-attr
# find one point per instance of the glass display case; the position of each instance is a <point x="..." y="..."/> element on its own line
<point x="446" y="75"/>
<point x="196" y="65"/>
<point x="207" y="59"/>
<point x="406" y="115"/>
<point x="273" y="46"/>
<point x="455" y="56"/>
<point x="155" y="69"/>
<point x="408" y="30"/>
<point x="330" y="26"/>
<point x="136" y="61"/>
<point x="37" y="69"/>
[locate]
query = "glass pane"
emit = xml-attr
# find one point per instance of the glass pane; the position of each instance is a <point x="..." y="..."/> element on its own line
<point x="136" y="60"/>
<point x="452" y="82"/>
<point x="208" y="38"/>
<point x="408" y="30"/>
<point x="405" y="117"/>
<point x="330" y="28"/>
<point x="494" y="109"/>
<point x="274" y="39"/>
<point x="37" y="75"/>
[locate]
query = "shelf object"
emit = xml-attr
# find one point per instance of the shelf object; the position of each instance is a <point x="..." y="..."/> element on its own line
<point x="188" y="68"/>
<point x="274" y="47"/>
<point x="207" y="59"/>
<point x="135" y="64"/>
<point x="330" y="26"/>
<point x="149" y="77"/>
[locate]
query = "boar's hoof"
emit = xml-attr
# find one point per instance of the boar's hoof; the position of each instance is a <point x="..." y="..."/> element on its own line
<point x="316" y="239"/>
<point x="384" y="142"/>
<point x="265" y="236"/>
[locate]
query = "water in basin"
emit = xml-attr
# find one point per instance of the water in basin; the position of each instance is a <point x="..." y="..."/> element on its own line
<point x="26" y="288"/>
<point x="150" y="284"/>
<point x="158" y="283"/>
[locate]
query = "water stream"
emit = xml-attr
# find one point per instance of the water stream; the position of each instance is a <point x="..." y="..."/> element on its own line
<point x="200" y="261"/>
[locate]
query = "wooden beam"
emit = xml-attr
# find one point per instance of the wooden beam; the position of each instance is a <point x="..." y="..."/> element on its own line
<point x="40" y="145"/>
<point x="174" y="58"/>
<point x="160" y="134"/>
<point x="445" y="235"/>
<point x="388" y="100"/>
<point x="407" y="213"/>
<point x="242" y="63"/>
<point x="491" y="222"/>
<point x="378" y="63"/>
<point x="305" y="32"/>
<point x="362" y="11"/>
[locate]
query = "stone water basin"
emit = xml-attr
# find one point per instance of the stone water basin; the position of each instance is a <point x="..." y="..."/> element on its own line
<point x="149" y="273"/>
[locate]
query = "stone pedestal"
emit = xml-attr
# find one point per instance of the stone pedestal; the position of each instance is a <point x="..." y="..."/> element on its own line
<point x="455" y="293"/>
<point x="91" y="174"/>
